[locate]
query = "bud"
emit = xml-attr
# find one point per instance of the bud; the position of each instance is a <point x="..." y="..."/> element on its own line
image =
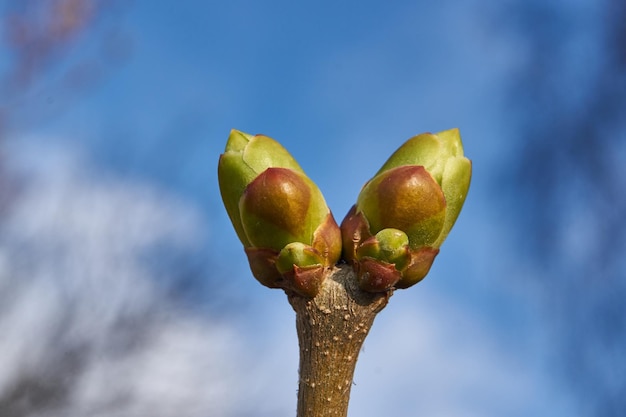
<point x="245" y="157"/>
<point x="289" y="234"/>
<point x="382" y="257"/>
<point x="419" y="192"/>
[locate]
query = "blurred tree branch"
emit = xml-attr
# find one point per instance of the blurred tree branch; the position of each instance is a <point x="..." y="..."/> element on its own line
<point x="37" y="31"/>
<point x="38" y="60"/>
<point x="43" y="58"/>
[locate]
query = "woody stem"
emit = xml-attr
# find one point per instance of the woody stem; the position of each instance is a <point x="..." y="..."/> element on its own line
<point x="331" y="330"/>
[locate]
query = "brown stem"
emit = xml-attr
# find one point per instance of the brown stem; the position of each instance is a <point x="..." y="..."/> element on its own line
<point x="331" y="330"/>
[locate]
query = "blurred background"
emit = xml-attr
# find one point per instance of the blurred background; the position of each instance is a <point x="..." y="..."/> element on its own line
<point x="125" y="292"/>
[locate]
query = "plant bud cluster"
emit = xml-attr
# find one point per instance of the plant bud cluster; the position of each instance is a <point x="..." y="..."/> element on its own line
<point x="391" y="235"/>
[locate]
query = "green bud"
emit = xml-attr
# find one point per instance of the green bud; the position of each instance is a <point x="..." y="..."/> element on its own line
<point x="245" y="157"/>
<point x="281" y="206"/>
<point x="419" y="191"/>
<point x="389" y="245"/>
<point x="297" y="253"/>
<point x="289" y="234"/>
<point x="303" y="267"/>
<point x="381" y="258"/>
<point x="442" y="156"/>
<point x="405" y="198"/>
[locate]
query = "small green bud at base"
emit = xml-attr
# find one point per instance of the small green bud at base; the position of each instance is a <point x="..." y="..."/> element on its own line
<point x="388" y="245"/>
<point x="297" y="254"/>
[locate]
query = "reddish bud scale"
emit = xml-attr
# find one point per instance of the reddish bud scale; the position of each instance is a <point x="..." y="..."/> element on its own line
<point x="421" y="261"/>
<point x="305" y="281"/>
<point x="354" y="230"/>
<point x="376" y="276"/>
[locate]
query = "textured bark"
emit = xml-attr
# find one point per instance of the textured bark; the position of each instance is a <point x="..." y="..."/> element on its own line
<point x="331" y="330"/>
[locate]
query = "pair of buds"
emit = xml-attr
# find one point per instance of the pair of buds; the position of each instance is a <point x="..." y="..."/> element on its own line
<point x="391" y="236"/>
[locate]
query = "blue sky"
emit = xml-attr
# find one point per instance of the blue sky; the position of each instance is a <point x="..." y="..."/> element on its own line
<point x="341" y="86"/>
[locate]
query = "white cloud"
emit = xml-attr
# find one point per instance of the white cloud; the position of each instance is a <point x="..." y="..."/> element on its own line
<point x="85" y="331"/>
